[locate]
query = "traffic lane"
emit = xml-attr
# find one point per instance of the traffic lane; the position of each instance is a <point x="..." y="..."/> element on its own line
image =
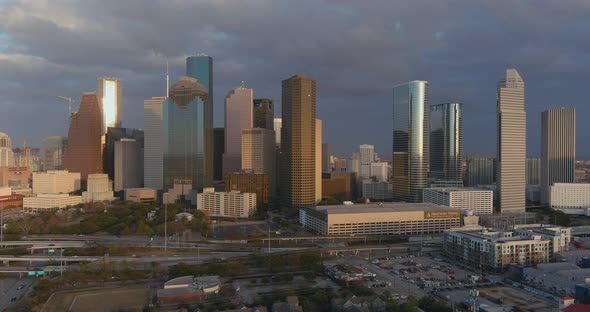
<point x="17" y="290"/>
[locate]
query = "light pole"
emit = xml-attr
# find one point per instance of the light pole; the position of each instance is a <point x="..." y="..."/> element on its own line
<point x="166" y="227"/>
<point x="2" y="222"/>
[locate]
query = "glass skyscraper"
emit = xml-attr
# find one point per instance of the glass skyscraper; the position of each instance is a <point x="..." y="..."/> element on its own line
<point x="186" y="152"/>
<point x="410" y="140"/>
<point x="446" y="142"/>
<point x="109" y="93"/>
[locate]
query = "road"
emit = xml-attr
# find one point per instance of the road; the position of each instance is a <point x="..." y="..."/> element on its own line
<point x="9" y="289"/>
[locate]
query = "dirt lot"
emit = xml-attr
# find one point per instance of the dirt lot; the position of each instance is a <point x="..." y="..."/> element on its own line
<point x="124" y="298"/>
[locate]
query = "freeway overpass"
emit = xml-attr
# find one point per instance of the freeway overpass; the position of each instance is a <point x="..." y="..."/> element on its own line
<point x="39" y="244"/>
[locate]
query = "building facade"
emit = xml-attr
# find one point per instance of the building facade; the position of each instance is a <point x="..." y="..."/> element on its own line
<point x="376" y="190"/>
<point x="110" y="97"/>
<point x="128" y="164"/>
<point x="258" y="154"/>
<point x="446" y="141"/>
<point x="366" y="158"/>
<point x="153" y="154"/>
<point x="318" y="161"/>
<point x="380" y="171"/>
<point x="187" y="140"/>
<point x="55" y="182"/>
<point x="250" y="183"/>
<point x="533" y="170"/>
<point x="480" y="170"/>
<point x="277" y="125"/>
<point x="326" y="163"/>
<point x="226" y="204"/>
<point x="141" y="195"/>
<point x="53" y="152"/>
<point x="218" y="148"/>
<point x="264" y="112"/>
<point x="100" y="188"/>
<point x="339" y="185"/>
<point x="558" y="148"/>
<point x="571" y="198"/>
<point x="410" y="163"/>
<point x="298" y="142"/>
<point x="511" y="144"/>
<point x="238" y="116"/>
<point x="15" y="176"/>
<point x="478" y="201"/>
<point x="6" y="154"/>
<point x="112" y="136"/>
<point x="43" y="202"/>
<point x="83" y="153"/>
<point x="404" y="219"/>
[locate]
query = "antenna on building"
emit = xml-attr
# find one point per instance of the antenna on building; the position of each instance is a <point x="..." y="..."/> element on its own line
<point x="167" y="80"/>
<point x="243" y="84"/>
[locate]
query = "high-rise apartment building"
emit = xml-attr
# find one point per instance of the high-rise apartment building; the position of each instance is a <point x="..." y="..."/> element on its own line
<point x="226" y="204"/>
<point x="153" y="154"/>
<point x="298" y="142"/>
<point x="83" y="153"/>
<point x="367" y="156"/>
<point x="558" y="148"/>
<point x="511" y="144"/>
<point x="410" y="161"/>
<point x="446" y="141"/>
<point x="218" y="148"/>
<point x="318" y="160"/>
<point x="480" y="170"/>
<point x="238" y="116"/>
<point x="109" y="94"/>
<point x="53" y="150"/>
<point x="264" y="111"/>
<point x="533" y="170"/>
<point x="112" y="136"/>
<point x="258" y="153"/>
<point x="128" y="164"/>
<point x="187" y="141"/>
<point x="6" y="154"/>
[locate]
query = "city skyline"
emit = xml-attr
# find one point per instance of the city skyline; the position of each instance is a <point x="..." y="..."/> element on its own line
<point x="141" y="66"/>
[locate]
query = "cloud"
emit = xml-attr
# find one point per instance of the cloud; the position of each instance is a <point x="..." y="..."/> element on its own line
<point x="355" y="50"/>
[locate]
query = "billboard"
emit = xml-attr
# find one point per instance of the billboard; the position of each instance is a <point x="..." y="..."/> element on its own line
<point x="441" y="214"/>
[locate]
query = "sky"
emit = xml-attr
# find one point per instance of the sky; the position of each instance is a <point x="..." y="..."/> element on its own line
<point x="356" y="50"/>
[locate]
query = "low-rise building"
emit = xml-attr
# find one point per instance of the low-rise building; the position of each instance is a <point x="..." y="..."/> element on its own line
<point x="43" y="202"/>
<point x="141" y="195"/>
<point x="99" y="188"/>
<point x="56" y="182"/>
<point x="478" y="201"/>
<point x="15" y="176"/>
<point x="189" y="289"/>
<point x="559" y="237"/>
<point x="380" y="219"/>
<point x="181" y="192"/>
<point x="226" y="204"/>
<point x="571" y="198"/>
<point x="7" y="198"/>
<point x="495" y="250"/>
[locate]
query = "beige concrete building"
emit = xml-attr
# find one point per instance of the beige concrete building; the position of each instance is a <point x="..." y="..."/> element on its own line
<point x="226" y="204"/>
<point x="100" y="188"/>
<point x="239" y="114"/>
<point x="380" y="219"/>
<point x="571" y="198"/>
<point x="558" y="148"/>
<point x="55" y="182"/>
<point x="318" y="160"/>
<point x="298" y="142"/>
<point x="511" y="145"/>
<point x="43" y="202"/>
<point x="478" y="201"/>
<point x="258" y="153"/>
<point x="141" y="195"/>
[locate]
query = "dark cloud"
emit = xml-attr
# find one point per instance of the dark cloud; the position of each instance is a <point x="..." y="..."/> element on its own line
<point x="356" y="50"/>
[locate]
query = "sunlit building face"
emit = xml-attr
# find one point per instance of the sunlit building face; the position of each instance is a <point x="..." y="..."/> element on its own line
<point x="109" y="93"/>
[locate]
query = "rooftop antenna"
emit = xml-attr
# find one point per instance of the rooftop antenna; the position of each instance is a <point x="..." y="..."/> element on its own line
<point x="243" y="84"/>
<point x="167" y="80"/>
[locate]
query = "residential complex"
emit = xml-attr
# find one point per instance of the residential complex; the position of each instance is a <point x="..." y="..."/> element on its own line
<point x="379" y="219"/>
<point x="410" y="162"/>
<point x="477" y="201"/>
<point x="55" y="182"/>
<point x="226" y="204"/>
<point x="511" y="144"/>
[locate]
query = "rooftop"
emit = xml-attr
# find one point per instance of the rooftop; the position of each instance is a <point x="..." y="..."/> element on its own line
<point x="383" y="207"/>
<point x="458" y="189"/>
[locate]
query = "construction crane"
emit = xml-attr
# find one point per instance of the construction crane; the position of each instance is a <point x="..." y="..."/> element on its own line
<point x="69" y="99"/>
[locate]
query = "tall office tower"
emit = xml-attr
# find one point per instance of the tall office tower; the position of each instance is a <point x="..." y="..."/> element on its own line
<point x="446" y="142"/>
<point x="83" y="153"/>
<point x="238" y="116"/>
<point x="218" y="148"/>
<point x="480" y="170"/>
<point x="264" y="111"/>
<point x="380" y="171"/>
<point x="258" y="153"/>
<point x="200" y="67"/>
<point x="112" y="136"/>
<point x="318" y="160"/>
<point x="355" y="164"/>
<point x="277" y="125"/>
<point x="511" y="145"/>
<point x="367" y="156"/>
<point x="410" y="140"/>
<point x="186" y="156"/>
<point x="128" y="164"/>
<point x="558" y="148"/>
<point x="153" y="153"/>
<point x="53" y="151"/>
<point x="326" y="163"/>
<point x="298" y="141"/>
<point x="533" y="170"/>
<point x="110" y="95"/>
<point x="6" y="154"/>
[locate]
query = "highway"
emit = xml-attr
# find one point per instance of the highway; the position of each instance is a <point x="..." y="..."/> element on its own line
<point x="9" y="288"/>
<point x="157" y="258"/>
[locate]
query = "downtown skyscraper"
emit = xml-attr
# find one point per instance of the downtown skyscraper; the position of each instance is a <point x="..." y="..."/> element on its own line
<point x="511" y="144"/>
<point x="558" y="148"/>
<point x="446" y="142"/>
<point x="153" y="154"/>
<point x="410" y="162"/>
<point x="239" y="112"/>
<point x="298" y="142"/>
<point x="109" y="94"/>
